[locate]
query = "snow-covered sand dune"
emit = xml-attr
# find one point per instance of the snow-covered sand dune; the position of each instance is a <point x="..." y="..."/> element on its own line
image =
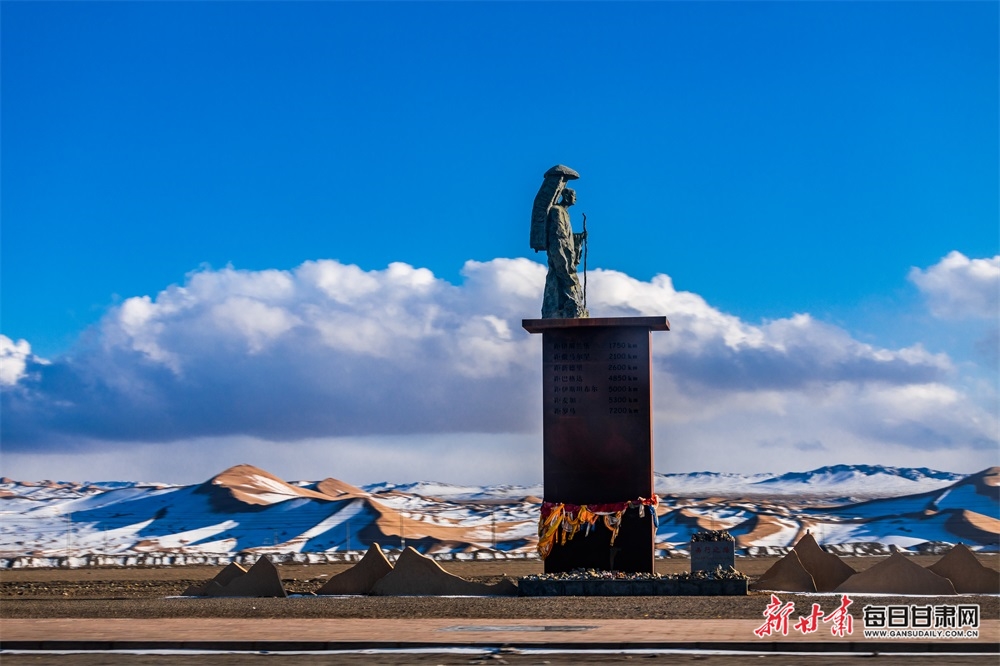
<point x="247" y="509"/>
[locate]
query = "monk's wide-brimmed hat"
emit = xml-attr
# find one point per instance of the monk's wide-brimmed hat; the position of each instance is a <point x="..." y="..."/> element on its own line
<point x="562" y="170"/>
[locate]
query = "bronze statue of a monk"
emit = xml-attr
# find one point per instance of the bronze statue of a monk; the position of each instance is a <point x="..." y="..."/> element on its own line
<point x="552" y="231"/>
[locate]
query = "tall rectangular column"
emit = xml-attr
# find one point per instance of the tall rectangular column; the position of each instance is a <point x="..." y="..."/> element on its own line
<point x="597" y="433"/>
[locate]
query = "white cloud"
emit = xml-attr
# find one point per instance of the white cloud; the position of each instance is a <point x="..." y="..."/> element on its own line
<point x="396" y="362"/>
<point x="13" y="360"/>
<point x="961" y="288"/>
<point x="259" y="323"/>
<point x="711" y="348"/>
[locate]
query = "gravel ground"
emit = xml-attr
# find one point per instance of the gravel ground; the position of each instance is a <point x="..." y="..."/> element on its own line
<point x="656" y="608"/>
<point x="145" y="592"/>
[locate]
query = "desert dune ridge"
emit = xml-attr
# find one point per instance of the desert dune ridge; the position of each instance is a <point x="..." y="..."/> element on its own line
<point x="247" y="510"/>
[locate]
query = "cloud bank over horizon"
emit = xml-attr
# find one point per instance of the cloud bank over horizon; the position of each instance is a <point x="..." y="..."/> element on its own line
<point x="400" y="372"/>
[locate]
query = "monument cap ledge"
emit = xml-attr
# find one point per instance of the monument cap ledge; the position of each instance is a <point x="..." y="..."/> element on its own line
<point x="541" y="325"/>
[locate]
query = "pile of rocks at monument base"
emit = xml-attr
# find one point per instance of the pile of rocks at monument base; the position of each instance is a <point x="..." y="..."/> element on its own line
<point x="245" y="512"/>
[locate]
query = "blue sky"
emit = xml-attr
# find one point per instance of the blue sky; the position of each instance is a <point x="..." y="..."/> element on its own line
<point x="772" y="159"/>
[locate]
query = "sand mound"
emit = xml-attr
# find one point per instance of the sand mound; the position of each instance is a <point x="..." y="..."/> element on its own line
<point x="393" y="524"/>
<point x="786" y="575"/>
<point x="360" y="578"/>
<point x="416" y="574"/>
<point x="756" y="528"/>
<point x="826" y="569"/>
<point x="253" y="485"/>
<point x="897" y="575"/>
<point x="338" y="489"/>
<point x="972" y="526"/>
<point x="986" y="482"/>
<point x="966" y="573"/>
<point x="262" y="580"/>
<point x="231" y="572"/>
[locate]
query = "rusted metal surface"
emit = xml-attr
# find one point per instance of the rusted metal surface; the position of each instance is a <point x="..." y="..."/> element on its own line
<point x="597" y="432"/>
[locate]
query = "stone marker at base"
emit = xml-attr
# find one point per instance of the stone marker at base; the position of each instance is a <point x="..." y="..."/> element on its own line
<point x="712" y="549"/>
<point x="597" y="440"/>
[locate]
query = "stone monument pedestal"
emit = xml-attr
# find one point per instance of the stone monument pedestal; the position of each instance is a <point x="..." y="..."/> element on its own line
<point x="597" y="432"/>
